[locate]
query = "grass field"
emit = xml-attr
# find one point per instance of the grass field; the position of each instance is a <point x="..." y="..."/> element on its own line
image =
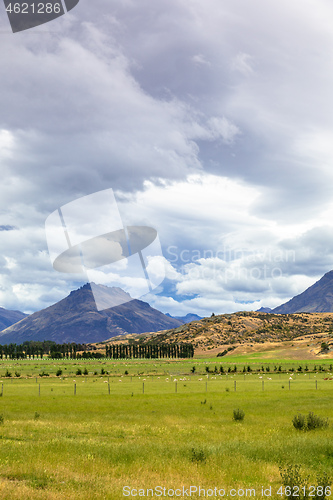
<point x="34" y="367"/>
<point x="89" y="437"/>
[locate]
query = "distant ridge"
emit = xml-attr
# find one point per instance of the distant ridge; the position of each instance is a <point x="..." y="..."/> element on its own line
<point x="186" y="319"/>
<point x="316" y="298"/>
<point x="264" y="310"/>
<point x="8" y="318"/>
<point x="76" y="319"/>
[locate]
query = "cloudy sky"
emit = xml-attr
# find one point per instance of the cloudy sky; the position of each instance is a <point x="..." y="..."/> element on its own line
<point x="211" y="121"/>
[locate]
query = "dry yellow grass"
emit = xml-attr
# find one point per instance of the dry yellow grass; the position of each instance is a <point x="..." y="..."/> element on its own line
<point x="292" y="336"/>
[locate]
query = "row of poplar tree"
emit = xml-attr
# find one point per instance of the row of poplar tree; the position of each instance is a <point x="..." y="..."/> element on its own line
<point x="149" y="351"/>
<point x="35" y="349"/>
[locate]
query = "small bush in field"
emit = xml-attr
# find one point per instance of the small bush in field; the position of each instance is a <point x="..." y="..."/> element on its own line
<point x="8" y="374"/>
<point x="238" y="415"/>
<point x="79" y="371"/>
<point x="309" y="422"/>
<point x="59" y="372"/>
<point x="17" y="374"/>
<point x="299" y="422"/>
<point x="315" y="422"/>
<point x="85" y="371"/>
<point x="295" y="482"/>
<point x="198" y="455"/>
<point x="291" y="477"/>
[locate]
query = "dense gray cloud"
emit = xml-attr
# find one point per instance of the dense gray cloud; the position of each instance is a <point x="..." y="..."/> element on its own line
<point x="209" y="119"/>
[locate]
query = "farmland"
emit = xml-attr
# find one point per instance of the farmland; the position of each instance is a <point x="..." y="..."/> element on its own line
<point x="88" y="436"/>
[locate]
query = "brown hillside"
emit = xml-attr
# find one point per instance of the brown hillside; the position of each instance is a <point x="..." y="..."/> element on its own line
<point x="246" y="332"/>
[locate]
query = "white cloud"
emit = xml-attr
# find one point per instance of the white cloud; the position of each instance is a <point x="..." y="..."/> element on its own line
<point x="200" y="59"/>
<point x="211" y="126"/>
<point x="243" y="63"/>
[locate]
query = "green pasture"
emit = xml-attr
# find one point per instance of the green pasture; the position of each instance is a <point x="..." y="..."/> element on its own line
<point x="162" y="367"/>
<point x="89" y="437"/>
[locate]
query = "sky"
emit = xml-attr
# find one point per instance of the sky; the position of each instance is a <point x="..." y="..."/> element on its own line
<point x="210" y="121"/>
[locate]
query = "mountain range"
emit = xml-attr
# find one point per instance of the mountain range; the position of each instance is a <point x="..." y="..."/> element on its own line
<point x="76" y="319"/>
<point x="8" y="318"/>
<point x="316" y="298"/>
<point x="186" y="319"/>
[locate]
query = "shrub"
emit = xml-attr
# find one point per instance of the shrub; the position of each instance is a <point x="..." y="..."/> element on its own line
<point x="223" y="353"/>
<point x="322" y="486"/>
<point x="293" y="479"/>
<point x="193" y="369"/>
<point x="126" y="372"/>
<point x="85" y="372"/>
<point x="36" y="416"/>
<point x="8" y="374"/>
<point x="324" y="347"/>
<point x="44" y="374"/>
<point x="79" y="371"/>
<point x="59" y="372"/>
<point x="316" y="422"/>
<point x="312" y="421"/>
<point x="2" y="420"/>
<point x="238" y="415"/>
<point x="103" y="372"/>
<point x="299" y="422"/>
<point x="198" y="455"/>
<point x="17" y="374"/>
